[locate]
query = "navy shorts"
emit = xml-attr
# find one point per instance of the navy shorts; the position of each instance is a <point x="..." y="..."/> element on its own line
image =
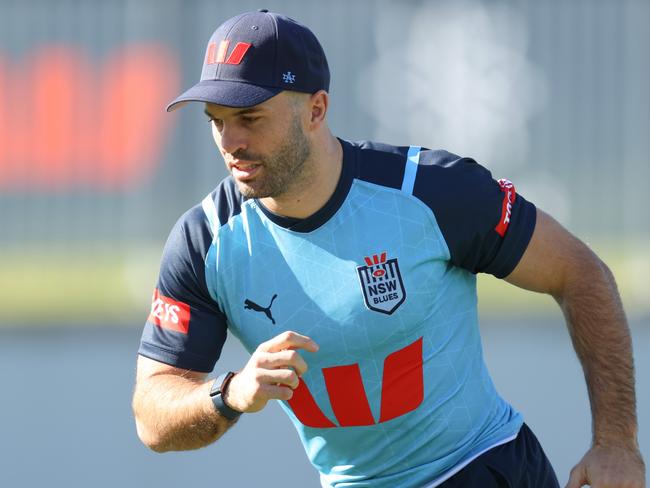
<point x="520" y="463"/>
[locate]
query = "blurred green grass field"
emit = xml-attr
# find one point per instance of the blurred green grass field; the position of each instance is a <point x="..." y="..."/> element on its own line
<point x="64" y="286"/>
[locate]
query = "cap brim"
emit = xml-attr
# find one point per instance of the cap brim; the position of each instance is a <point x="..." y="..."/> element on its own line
<point x="226" y="93"/>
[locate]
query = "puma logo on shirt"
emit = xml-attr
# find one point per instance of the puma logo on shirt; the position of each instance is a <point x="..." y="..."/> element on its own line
<point x="251" y="305"/>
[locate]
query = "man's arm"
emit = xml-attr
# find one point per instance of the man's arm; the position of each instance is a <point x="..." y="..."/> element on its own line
<point x="173" y="409"/>
<point x="559" y="264"/>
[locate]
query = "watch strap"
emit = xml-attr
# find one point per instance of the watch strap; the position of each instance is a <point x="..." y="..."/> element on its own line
<point x="216" y="393"/>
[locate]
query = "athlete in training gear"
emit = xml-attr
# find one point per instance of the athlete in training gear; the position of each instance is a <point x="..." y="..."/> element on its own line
<point x="370" y="253"/>
<point x="382" y="279"/>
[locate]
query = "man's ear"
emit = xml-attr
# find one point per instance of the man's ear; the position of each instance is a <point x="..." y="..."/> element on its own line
<point x="318" y="104"/>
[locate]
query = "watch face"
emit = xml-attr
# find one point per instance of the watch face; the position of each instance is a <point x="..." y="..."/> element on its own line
<point x="217" y="398"/>
<point x="216" y="387"/>
<point x="219" y="383"/>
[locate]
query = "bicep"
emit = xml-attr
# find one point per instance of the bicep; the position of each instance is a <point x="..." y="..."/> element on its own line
<point x="551" y="258"/>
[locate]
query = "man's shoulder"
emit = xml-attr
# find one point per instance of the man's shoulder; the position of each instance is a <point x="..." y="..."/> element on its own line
<point x="227" y="201"/>
<point x="391" y="165"/>
<point x="216" y="208"/>
<point x="373" y="149"/>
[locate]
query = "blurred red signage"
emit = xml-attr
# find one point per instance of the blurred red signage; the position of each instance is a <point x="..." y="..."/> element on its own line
<point x="67" y="120"/>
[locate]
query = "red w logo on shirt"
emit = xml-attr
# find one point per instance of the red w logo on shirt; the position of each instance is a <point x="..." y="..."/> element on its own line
<point x="402" y="391"/>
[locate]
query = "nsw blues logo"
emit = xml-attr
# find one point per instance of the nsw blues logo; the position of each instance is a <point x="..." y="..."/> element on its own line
<point x="381" y="284"/>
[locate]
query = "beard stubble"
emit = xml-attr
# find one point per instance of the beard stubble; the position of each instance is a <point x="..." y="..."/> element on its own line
<point x="284" y="170"/>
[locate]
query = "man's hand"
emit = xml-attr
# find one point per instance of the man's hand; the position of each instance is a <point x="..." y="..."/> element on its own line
<point x="172" y="406"/>
<point x="272" y="373"/>
<point x="609" y="467"/>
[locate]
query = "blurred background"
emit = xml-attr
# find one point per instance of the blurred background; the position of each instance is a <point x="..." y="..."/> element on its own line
<point x="552" y="95"/>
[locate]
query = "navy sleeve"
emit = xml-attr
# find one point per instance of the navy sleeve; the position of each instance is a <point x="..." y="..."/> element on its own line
<point x="485" y="223"/>
<point x="185" y="328"/>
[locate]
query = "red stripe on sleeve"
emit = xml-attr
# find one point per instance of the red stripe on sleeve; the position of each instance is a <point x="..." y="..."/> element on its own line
<point x="506" y="207"/>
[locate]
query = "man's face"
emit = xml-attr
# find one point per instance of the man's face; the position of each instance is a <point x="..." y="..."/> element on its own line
<point x="264" y="146"/>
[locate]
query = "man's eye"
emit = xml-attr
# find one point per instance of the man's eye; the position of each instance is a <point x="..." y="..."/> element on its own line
<point x="249" y="119"/>
<point x="218" y="123"/>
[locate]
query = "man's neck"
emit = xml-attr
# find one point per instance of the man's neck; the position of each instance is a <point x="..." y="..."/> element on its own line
<point x="323" y="173"/>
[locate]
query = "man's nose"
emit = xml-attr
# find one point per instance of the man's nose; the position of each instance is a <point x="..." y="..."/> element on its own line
<point x="232" y="139"/>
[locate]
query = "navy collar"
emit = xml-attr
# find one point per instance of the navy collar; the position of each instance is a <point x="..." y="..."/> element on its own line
<point x="321" y="216"/>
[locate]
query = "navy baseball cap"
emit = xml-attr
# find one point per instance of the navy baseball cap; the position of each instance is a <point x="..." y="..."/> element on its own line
<point x="253" y="57"/>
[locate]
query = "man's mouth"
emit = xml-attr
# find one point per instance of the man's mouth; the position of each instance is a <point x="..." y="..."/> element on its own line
<point x="243" y="170"/>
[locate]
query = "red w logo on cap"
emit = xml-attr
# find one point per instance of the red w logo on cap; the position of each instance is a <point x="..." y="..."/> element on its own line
<point x="215" y="56"/>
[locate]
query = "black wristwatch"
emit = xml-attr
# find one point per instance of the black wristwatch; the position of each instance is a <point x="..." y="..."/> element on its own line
<point x="218" y="387"/>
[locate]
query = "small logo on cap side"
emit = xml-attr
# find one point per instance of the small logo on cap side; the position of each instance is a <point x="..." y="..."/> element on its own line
<point x="215" y="56"/>
<point x="289" y="77"/>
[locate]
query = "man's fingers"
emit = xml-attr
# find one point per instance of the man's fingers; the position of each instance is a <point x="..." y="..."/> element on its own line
<point x="250" y="390"/>
<point x="288" y="340"/>
<point x="281" y="377"/>
<point x="282" y="359"/>
<point x="273" y="372"/>
<point x="576" y="478"/>
<point x="278" y="392"/>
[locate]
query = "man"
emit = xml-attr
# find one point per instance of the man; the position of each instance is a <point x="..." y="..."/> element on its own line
<point x="347" y="270"/>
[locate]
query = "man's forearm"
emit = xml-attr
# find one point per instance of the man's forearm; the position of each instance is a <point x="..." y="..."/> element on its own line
<point x="175" y="413"/>
<point x="601" y="338"/>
